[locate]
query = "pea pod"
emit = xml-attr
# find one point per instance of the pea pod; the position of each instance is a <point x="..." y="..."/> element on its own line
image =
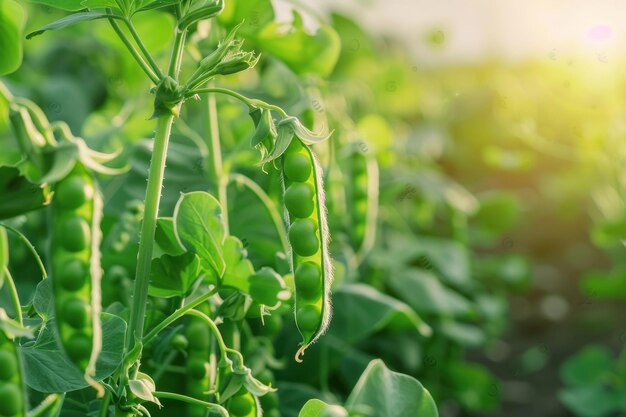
<point x="76" y="272"/>
<point x="198" y="353"/>
<point x="362" y="199"/>
<point x="12" y="396"/>
<point x="308" y="236"/>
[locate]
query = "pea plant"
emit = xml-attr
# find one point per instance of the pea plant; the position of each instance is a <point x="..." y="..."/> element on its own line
<point x="183" y="295"/>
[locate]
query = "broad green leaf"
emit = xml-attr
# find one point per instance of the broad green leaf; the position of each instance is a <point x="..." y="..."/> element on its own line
<point x="254" y="14"/>
<point x="385" y="393"/>
<point x="472" y="386"/>
<point x="423" y="291"/>
<point x="4" y="253"/>
<point x="592" y="400"/>
<point x="174" y="276"/>
<point x="361" y="310"/>
<point x="238" y="268"/>
<point x="198" y="225"/>
<point x="165" y="238"/>
<point x="12" y="21"/>
<point x="293" y="396"/>
<point x="47" y="369"/>
<point x="303" y="52"/>
<point x="42" y="300"/>
<point x="69" y="21"/>
<point x="318" y="408"/>
<point x="592" y="365"/>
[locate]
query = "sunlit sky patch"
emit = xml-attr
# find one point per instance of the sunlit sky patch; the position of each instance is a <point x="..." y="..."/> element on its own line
<point x="508" y="29"/>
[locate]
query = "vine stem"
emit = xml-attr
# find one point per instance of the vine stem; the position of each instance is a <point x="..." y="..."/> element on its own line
<point x="148" y="227"/>
<point x="215" y="147"/>
<point x="248" y="101"/>
<point x="30" y="247"/>
<point x="190" y="400"/>
<point x="15" y="299"/>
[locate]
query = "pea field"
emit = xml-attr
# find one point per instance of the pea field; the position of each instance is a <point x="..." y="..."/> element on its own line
<point x="247" y="208"/>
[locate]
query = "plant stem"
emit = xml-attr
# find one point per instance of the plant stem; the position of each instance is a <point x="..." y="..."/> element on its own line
<point x="104" y="406"/>
<point x="268" y="203"/>
<point x="143" y="49"/>
<point x="148" y="226"/>
<point x="248" y="101"/>
<point x="176" y="315"/>
<point x="14" y="296"/>
<point x="177" y="53"/>
<point x="191" y="400"/>
<point x="142" y="63"/>
<point x="30" y="247"/>
<point x="215" y="149"/>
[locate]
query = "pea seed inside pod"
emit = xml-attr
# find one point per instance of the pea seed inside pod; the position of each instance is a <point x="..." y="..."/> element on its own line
<point x="308" y="279"/>
<point x="72" y="275"/>
<point x="198" y="336"/>
<point x="78" y="347"/>
<point x="297" y="167"/>
<point x="303" y="238"/>
<point x="8" y="365"/>
<point x="241" y="405"/>
<point x="196" y="368"/>
<point x="10" y="399"/>
<point x="308" y="318"/>
<point x="73" y="192"/>
<point x="75" y="234"/>
<point x="299" y="200"/>
<point x="76" y="313"/>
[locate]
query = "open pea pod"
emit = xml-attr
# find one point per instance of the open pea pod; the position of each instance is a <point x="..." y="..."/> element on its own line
<point x="308" y="237"/>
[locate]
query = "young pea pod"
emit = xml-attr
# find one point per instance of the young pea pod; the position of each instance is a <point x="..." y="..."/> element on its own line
<point x="362" y="199"/>
<point x="76" y="271"/>
<point x="198" y="353"/>
<point x="12" y="396"/>
<point x="308" y="236"/>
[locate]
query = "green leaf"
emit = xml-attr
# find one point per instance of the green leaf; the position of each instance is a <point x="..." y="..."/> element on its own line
<point x="592" y="365"/>
<point x="198" y="226"/>
<point x="173" y="276"/>
<point x="472" y="386"/>
<point x="318" y="408"/>
<point x="165" y="238"/>
<point x="254" y="14"/>
<point x="47" y="369"/>
<point x="238" y="268"/>
<point x="427" y="294"/>
<point x="362" y="310"/>
<point x="592" y="400"/>
<point x="385" y="393"/>
<point x="12" y="22"/>
<point x="303" y="52"/>
<point x="69" y="21"/>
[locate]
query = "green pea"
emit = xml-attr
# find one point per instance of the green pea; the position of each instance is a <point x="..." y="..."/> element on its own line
<point x="303" y="238"/>
<point x="297" y="167"/>
<point x="241" y="405"/>
<point x="299" y="200"/>
<point x="179" y="342"/>
<point x="73" y="192"/>
<point x="74" y="234"/>
<point x="72" y="275"/>
<point x="198" y="336"/>
<point x="76" y="313"/>
<point x="196" y="368"/>
<point x="78" y="347"/>
<point x="308" y="318"/>
<point x="308" y="279"/>
<point x="10" y="399"/>
<point x="8" y="365"/>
